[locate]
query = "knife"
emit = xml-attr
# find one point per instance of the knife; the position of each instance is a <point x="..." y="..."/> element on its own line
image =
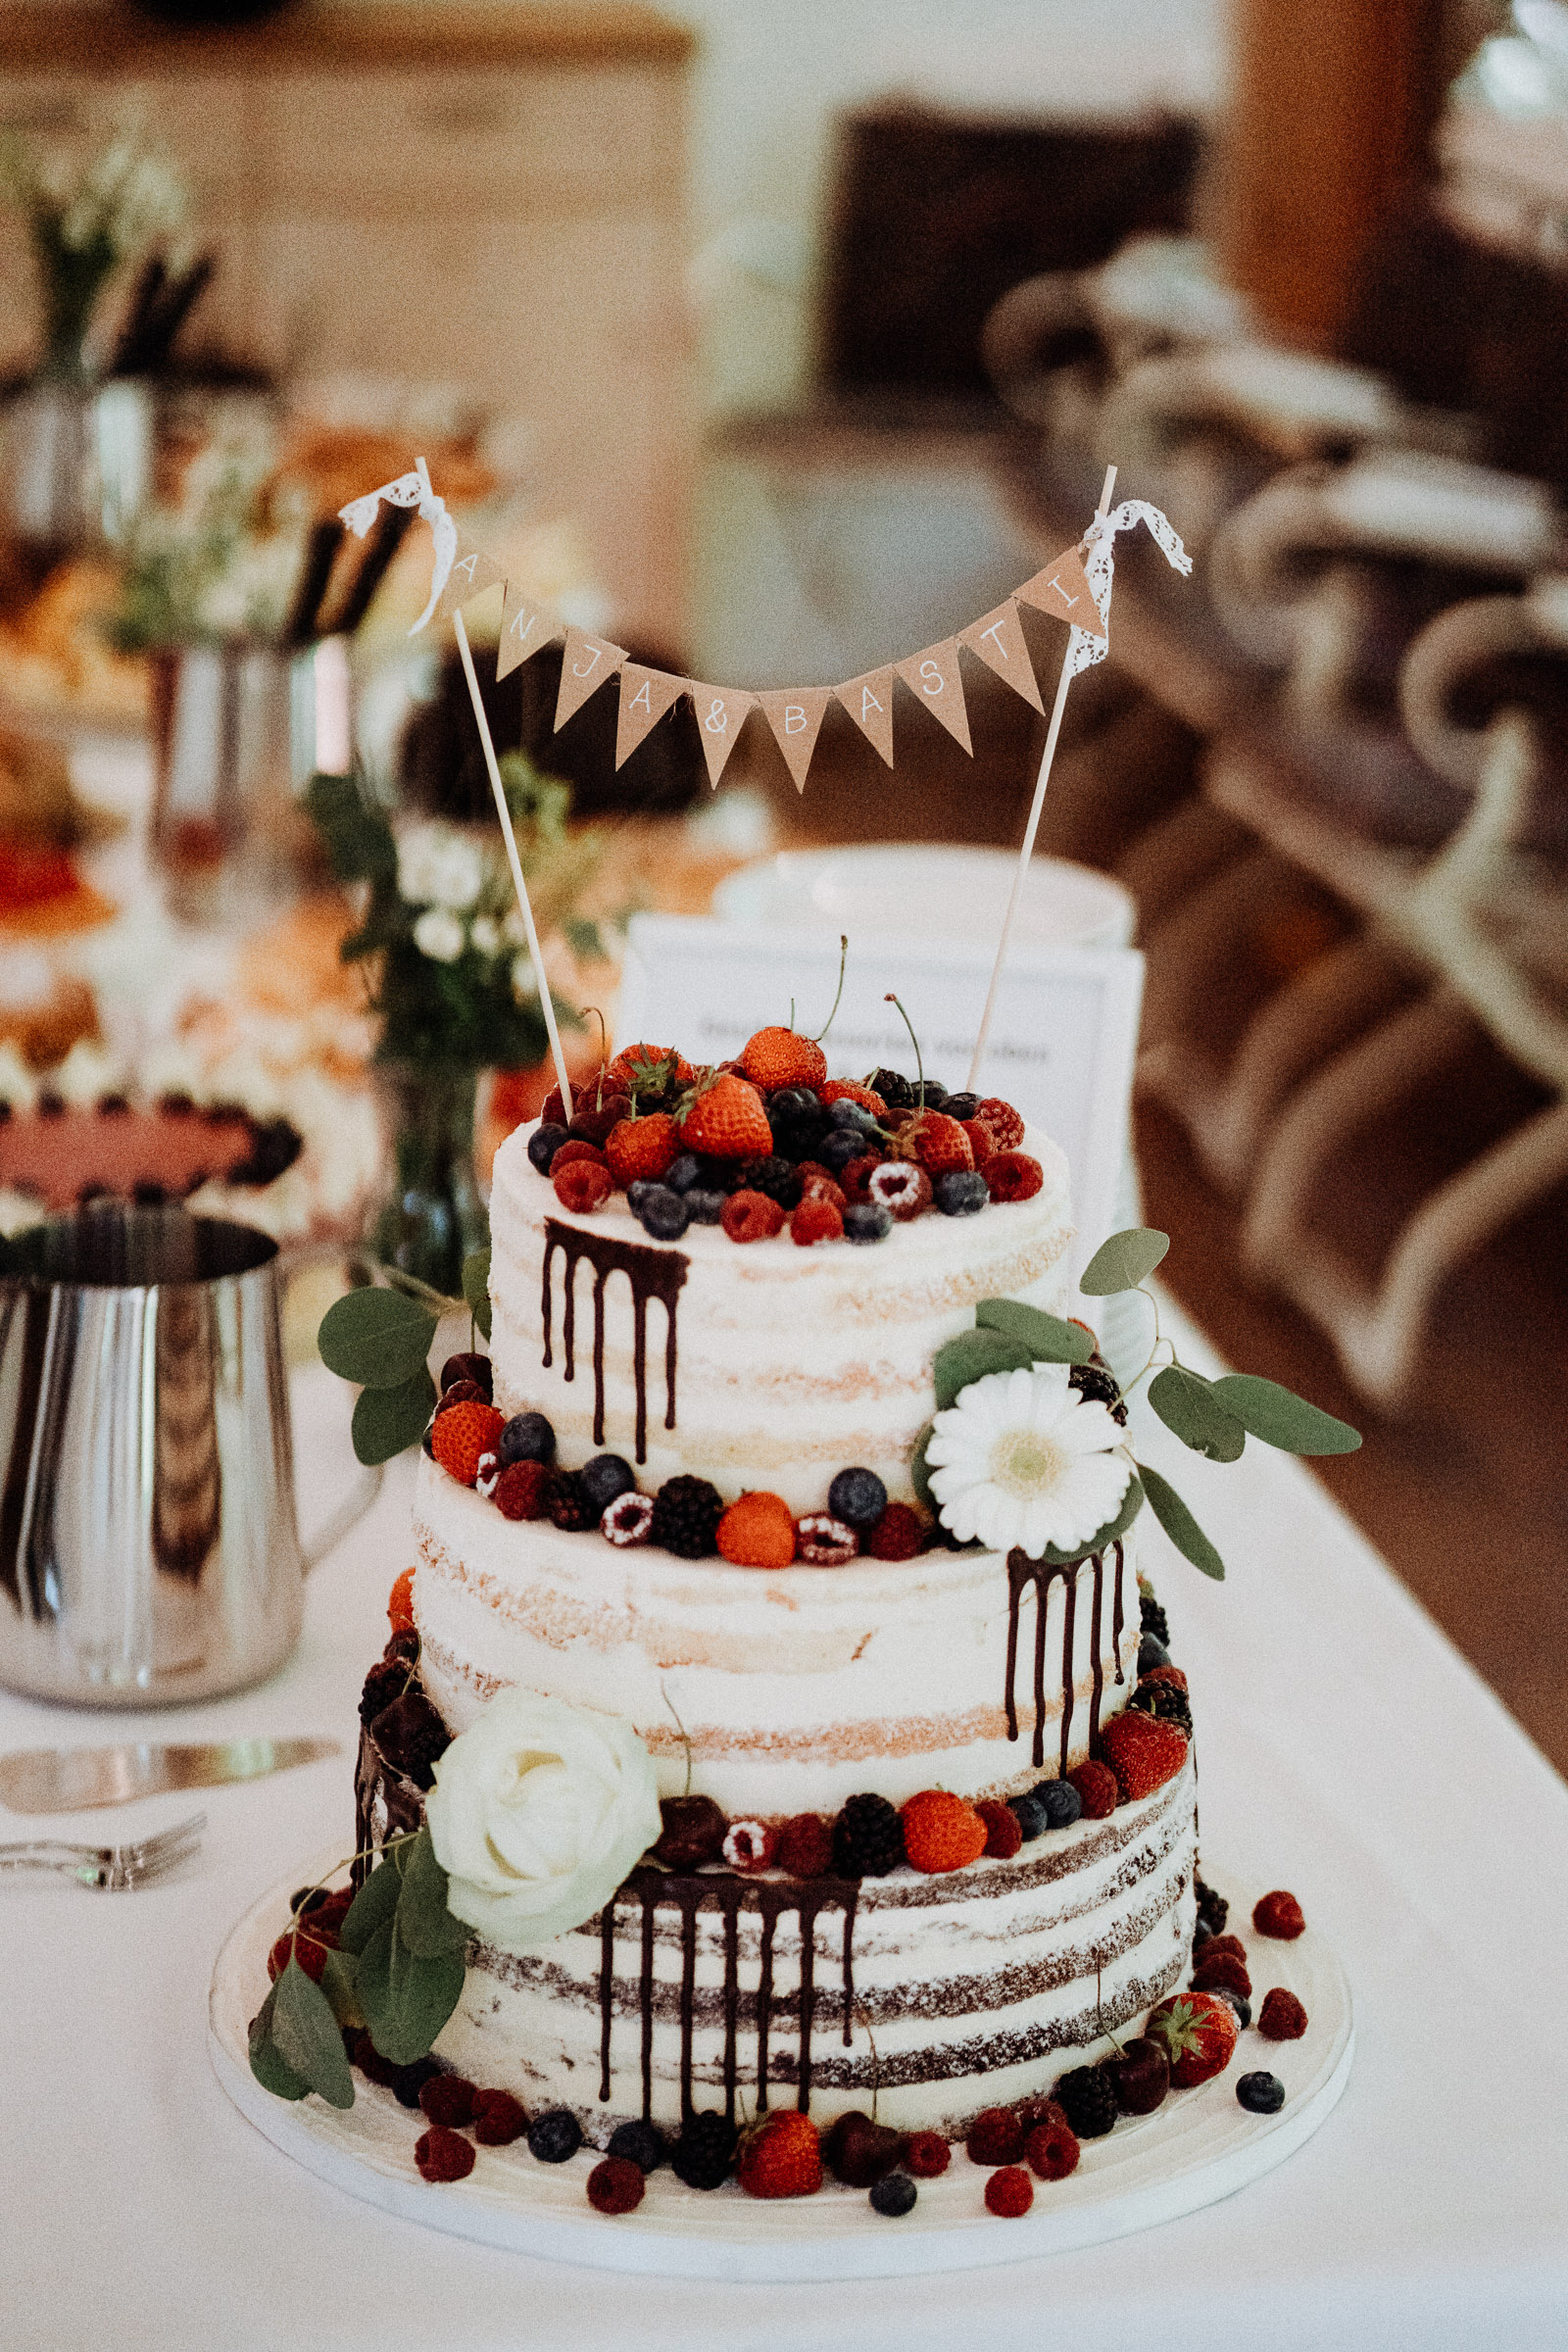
<point x="74" y="1780"/>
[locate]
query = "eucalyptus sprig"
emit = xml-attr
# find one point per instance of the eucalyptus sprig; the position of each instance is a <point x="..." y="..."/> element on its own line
<point x="398" y="1971"/>
<point x="1212" y="1417"/>
<point x="379" y="1336"/>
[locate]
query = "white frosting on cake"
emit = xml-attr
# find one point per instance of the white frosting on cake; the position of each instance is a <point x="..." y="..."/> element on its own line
<point x="790" y="1364"/>
<point x="797" y="1687"/>
<point x="979" y="1987"/>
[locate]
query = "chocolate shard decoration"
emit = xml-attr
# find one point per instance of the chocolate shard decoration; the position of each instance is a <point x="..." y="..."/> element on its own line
<point x="729" y="1896"/>
<point x="652" y="1274"/>
<point x="1022" y="1571"/>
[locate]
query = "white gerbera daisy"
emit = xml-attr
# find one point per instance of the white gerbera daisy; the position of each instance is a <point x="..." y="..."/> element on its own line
<point x="1021" y="1459"/>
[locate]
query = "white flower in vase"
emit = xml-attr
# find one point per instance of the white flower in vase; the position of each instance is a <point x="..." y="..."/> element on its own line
<point x="538" y="1812"/>
<point x="485" y="933"/>
<point x="439" y="935"/>
<point x="1021" y="1459"/>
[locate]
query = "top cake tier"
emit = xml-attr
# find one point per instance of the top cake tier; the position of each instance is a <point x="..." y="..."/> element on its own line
<point x="756" y="1364"/>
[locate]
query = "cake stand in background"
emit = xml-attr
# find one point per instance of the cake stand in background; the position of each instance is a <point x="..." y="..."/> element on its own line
<point x="949" y="892"/>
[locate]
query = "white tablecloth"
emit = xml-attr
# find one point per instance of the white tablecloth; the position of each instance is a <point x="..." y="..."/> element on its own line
<point x="1348" y="1754"/>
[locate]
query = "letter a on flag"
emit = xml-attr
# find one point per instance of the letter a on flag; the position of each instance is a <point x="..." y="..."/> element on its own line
<point x="645" y="696"/>
<point x="472" y="572"/>
<point x="869" y="700"/>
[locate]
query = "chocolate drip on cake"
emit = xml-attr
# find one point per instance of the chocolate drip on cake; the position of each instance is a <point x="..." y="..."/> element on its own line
<point x="1118" y="1614"/>
<point x="652" y="1274"/>
<point x="772" y="1899"/>
<point x="1042" y="1574"/>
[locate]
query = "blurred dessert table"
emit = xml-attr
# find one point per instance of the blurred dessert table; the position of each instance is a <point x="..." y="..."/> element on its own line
<point x="1348" y="1752"/>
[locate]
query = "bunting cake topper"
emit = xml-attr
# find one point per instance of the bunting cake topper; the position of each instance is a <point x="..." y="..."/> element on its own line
<point x="1074" y="588"/>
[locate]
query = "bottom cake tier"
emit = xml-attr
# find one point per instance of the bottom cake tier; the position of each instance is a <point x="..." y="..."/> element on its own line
<point x="937" y="1996"/>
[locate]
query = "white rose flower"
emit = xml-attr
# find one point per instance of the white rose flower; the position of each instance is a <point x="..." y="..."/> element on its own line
<point x="419" y="853"/>
<point x="439" y="935"/>
<point x="1021" y="1459"/>
<point x="457" y="871"/>
<point x="538" y="1812"/>
<point x="485" y="933"/>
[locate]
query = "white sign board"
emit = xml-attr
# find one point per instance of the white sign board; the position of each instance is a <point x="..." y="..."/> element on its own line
<point x="1061" y="1042"/>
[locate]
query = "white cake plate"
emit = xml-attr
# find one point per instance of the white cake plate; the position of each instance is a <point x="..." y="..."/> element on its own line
<point x="1200" y="2146"/>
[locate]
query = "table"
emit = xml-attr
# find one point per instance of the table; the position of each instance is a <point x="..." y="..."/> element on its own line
<point x="1347" y="1753"/>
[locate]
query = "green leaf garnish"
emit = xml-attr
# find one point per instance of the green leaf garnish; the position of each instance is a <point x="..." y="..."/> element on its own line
<point x="476" y="1287"/>
<point x="970" y="1357"/>
<point x="1048" y="1339"/>
<point x="424" y="1923"/>
<point x="387" y="1421"/>
<point x="406" y="1998"/>
<point x="1180" y="1525"/>
<point x="919" y="1474"/>
<point x="377" y="1338"/>
<point x="1123" y="1262"/>
<point x="1186" y="1402"/>
<point x="267" y="2060"/>
<point x="307" y="2036"/>
<point x="1281" y="1418"/>
<point x="339" y="1975"/>
<point x="372" y="1907"/>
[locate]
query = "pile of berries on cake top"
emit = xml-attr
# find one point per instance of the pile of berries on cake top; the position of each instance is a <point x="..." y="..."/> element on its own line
<point x="513" y="1464"/>
<point x="770" y="1141"/>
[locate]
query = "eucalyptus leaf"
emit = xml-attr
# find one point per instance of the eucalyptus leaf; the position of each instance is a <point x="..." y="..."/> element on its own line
<point x="387" y="1421"/>
<point x="919" y="1474"/>
<point x="1281" y="1418"/>
<point x="338" y="1976"/>
<point x="267" y="2063"/>
<point x="1123" y="1262"/>
<point x="407" y="1999"/>
<point x="1184" y="1402"/>
<point x="476" y="1288"/>
<point x="424" y="1923"/>
<point x="372" y="1907"/>
<point x="1048" y="1339"/>
<point x="970" y="1357"/>
<point x="307" y="2036"/>
<point x="377" y="1338"/>
<point x="1132" y="1502"/>
<point x="1180" y="1525"/>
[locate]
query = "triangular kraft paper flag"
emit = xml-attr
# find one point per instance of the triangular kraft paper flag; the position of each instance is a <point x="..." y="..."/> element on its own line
<point x="997" y="639"/>
<point x="526" y="627"/>
<point x="869" y="700"/>
<point x="1063" y="589"/>
<point x="720" y="716"/>
<point x="645" y="696"/>
<point x="932" y="677"/>
<point x="795" y="713"/>
<point x="472" y="572"/>
<point x="584" y="666"/>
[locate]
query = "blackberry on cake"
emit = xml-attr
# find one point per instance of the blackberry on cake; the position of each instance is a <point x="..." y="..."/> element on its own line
<point x="411" y="1737"/>
<point x="686" y="1516"/>
<point x="1150" y="1616"/>
<point x="1212" y="1909"/>
<point x="1087" y="2097"/>
<point x="1097" y="1384"/>
<point x="704" y="2151"/>
<point x="565" y="1505"/>
<point x="867" y="1838"/>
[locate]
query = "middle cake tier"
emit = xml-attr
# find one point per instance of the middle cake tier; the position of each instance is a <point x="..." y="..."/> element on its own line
<point x="798" y="1689"/>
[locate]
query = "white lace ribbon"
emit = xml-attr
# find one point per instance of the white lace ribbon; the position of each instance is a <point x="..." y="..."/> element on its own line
<point x="409" y="491"/>
<point x="1085" y="649"/>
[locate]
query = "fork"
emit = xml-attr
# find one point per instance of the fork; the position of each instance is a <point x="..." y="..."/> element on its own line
<point x="116" y="1866"/>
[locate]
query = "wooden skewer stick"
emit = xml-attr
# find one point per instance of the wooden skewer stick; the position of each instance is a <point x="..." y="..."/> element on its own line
<point x="535" y="954"/>
<point x="1015" y="896"/>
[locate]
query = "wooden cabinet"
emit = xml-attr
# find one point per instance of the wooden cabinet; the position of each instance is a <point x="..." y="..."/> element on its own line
<point x="492" y="198"/>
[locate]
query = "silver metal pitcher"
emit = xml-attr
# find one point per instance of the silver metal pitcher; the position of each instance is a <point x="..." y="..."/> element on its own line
<point x="149" y="1552"/>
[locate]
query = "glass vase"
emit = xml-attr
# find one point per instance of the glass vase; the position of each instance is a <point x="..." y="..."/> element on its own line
<point x="434" y="1215"/>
